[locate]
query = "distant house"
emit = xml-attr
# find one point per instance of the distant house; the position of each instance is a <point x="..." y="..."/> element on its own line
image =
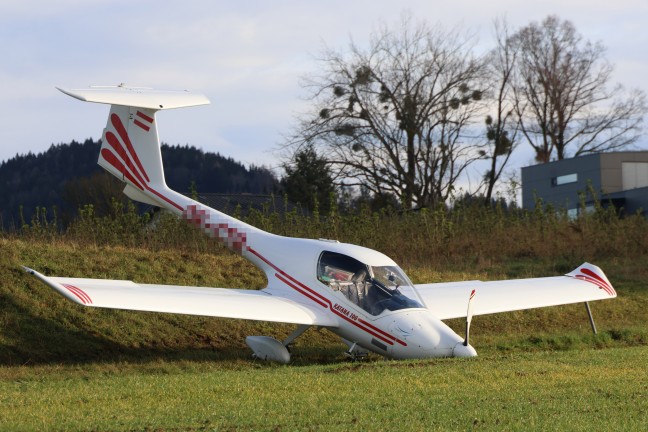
<point x="620" y="179"/>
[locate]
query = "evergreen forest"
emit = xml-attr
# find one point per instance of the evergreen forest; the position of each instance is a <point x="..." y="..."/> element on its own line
<point x="66" y="177"/>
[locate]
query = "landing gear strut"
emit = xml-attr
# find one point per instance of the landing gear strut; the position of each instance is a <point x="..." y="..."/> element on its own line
<point x="355" y="352"/>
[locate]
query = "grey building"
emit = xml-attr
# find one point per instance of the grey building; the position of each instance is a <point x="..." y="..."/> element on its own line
<point x="619" y="179"/>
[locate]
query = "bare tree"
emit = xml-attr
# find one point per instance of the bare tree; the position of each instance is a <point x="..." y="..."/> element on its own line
<point x="502" y="126"/>
<point x="393" y="117"/>
<point x="563" y="96"/>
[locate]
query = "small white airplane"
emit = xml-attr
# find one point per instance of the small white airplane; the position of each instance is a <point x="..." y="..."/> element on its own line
<point x="357" y="293"/>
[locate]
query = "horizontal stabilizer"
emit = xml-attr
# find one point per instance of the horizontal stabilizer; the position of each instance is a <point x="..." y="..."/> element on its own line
<point x="137" y="97"/>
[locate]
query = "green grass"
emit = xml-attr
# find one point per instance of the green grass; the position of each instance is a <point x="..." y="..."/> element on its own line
<point x="564" y="390"/>
<point x="38" y="326"/>
<point x="66" y="367"/>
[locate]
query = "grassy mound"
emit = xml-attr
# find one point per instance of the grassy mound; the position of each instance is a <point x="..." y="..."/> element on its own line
<point x="39" y="326"/>
<point x="118" y="370"/>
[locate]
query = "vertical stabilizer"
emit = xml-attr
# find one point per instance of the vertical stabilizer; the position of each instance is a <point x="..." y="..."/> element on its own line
<point x="130" y="148"/>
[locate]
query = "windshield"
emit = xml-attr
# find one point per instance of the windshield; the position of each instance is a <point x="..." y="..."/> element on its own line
<point x="374" y="289"/>
<point x="392" y="290"/>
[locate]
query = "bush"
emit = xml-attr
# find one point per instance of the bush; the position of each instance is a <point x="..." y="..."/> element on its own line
<point x="469" y="234"/>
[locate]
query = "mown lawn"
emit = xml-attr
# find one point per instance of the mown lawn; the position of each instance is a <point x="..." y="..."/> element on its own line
<point x="65" y="367"/>
<point x="592" y="389"/>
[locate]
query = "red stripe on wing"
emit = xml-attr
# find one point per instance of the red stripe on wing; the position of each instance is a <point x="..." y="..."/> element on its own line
<point x="597" y="283"/>
<point x="79" y="293"/>
<point x="601" y="281"/>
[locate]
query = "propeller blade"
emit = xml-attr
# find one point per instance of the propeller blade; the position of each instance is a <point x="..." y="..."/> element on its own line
<point x="469" y="317"/>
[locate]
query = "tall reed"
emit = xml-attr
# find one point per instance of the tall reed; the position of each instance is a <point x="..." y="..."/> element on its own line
<point x="466" y="234"/>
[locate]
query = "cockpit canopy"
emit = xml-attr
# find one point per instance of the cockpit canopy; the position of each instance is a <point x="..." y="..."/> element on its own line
<point x="373" y="288"/>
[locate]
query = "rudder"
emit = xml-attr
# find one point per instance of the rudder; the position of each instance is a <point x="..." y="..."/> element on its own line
<point x="130" y="148"/>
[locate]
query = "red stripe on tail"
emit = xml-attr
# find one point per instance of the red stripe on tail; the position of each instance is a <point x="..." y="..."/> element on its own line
<point x="121" y="130"/>
<point x="112" y="160"/>
<point x="115" y="144"/>
<point x="141" y="125"/>
<point x="143" y="116"/>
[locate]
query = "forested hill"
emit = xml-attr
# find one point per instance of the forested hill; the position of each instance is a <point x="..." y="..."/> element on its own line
<point x="67" y="176"/>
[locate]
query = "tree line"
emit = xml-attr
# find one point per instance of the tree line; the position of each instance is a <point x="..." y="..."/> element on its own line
<point x="401" y="119"/>
<point x="66" y="177"/>
<point x="395" y="123"/>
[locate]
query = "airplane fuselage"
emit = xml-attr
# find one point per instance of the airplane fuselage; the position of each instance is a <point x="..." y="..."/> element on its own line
<point x="361" y="294"/>
<point x="355" y="292"/>
<point x="294" y="268"/>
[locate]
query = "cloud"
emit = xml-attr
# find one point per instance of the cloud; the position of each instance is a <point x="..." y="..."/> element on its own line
<point x="246" y="56"/>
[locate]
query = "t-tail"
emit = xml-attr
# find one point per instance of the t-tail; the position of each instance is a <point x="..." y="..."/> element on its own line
<point x="130" y="150"/>
<point x="130" y="146"/>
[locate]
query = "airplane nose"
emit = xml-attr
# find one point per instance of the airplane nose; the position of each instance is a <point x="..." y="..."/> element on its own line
<point x="461" y="350"/>
<point x="427" y="336"/>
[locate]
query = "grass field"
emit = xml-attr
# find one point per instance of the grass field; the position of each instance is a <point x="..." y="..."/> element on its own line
<point x="573" y="390"/>
<point x="65" y="367"/>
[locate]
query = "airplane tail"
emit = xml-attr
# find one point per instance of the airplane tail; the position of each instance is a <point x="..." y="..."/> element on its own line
<point x="130" y="148"/>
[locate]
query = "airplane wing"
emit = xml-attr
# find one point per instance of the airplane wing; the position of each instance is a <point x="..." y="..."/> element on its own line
<point x="215" y="302"/>
<point x="450" y="300"/>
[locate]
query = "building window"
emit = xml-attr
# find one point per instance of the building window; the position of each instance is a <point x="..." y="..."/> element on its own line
<point x="635" y="175"/>
<point x="564" y="179"/>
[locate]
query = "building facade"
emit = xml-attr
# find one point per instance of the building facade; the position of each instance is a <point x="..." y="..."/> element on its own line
<point x="619" y="179"/>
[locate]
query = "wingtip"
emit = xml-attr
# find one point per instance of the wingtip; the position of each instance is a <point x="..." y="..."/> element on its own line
<point x="593" y="274"/>
<point x="72" y="94"/>
<point x="28" y="270"/>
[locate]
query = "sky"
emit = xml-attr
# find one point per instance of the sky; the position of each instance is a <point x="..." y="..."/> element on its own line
<point x="248" y="57"/>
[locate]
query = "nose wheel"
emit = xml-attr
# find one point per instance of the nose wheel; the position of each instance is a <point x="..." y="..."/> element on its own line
<point x="355" y="352"/>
